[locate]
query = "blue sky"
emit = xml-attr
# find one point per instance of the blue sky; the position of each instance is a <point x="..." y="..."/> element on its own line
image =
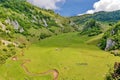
<point x="74" y="7"/>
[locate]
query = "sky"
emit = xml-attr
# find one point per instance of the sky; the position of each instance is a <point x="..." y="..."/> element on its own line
<point x="77" y="7"/>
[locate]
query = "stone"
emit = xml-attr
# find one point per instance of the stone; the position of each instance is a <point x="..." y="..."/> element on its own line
<point x="45" y="23"/>
<point x="109" y="44"/>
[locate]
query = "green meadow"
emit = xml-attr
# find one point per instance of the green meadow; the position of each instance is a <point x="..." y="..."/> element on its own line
<point x="75" y="57"/>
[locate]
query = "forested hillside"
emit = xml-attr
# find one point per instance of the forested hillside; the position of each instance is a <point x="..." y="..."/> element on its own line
<point x="102" y="16"/>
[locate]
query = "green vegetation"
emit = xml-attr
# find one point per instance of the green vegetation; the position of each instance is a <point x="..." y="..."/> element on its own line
<point x="69" y="53"/>
<point x="22" y="16"/>
<point x="91" y="28"/>
<point x="114" y="72"/>
<point x="114" y="35"/>
<point x="22" y="23"/>
<point x="37" y="44"/>
<point x="99" y="16"/>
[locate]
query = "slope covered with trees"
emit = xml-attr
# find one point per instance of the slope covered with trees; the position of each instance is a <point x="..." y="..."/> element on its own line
<point x="102" y="16"/>
<point x="91" y="28"/>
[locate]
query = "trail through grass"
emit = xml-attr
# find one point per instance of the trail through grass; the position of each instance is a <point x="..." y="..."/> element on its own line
<point x="69" y="53"/>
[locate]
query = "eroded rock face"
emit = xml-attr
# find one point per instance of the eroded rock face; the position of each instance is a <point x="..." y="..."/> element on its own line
<point x="45" y="23"/>
<point x="109" y="44"/>
<point x="15" y="24"/>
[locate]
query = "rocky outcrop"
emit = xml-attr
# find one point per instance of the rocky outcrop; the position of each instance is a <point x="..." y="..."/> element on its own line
<point x="109" y="44"/>
<point x="45" y="23"/>
<point x="3" y="27"/>
<point x="6" y="43"/>
<point x="15" y="24"/>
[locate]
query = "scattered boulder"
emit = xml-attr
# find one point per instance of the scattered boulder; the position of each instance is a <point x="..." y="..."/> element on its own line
<point x="21" y="30"/>
<point x="109" y="44"/>
<point x="14" y="58"/>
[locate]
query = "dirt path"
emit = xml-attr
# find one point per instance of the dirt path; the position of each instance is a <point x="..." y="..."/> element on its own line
<point x="54" y="72"/>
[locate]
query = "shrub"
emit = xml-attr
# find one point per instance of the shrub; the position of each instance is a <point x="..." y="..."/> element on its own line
<point x="22" y="46"/>
<point x="2" y="60"/>
<point x="0" y="42"/>
<point x="5" y="50"/>
<point x="91" y="28"/>
<point x="108" y="77"/>
<point x="43" y="35"/>
<point x="10" y="45"/>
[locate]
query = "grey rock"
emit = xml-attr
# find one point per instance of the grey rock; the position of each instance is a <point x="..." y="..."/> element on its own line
<point x="109" y="44"/>
<point x="112" y="32"/>
<point x="45" y="23"/>
<point x="15" y="24"/>
<point x="21" y="30"/>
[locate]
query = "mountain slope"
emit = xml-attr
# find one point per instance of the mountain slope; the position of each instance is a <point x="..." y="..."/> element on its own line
<point x="111" y="29"/>
<point x="111" y="38"/>
<point x="91" y="28"/>
<point x="21" y="23"/>
<point x="99" y="16"/>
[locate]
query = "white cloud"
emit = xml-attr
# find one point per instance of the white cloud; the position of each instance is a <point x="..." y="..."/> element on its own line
<point x="90" y="11"/>
<point x="47" y="4"/>
<point x="80" y="14"/>
<point x="105" y="5"/>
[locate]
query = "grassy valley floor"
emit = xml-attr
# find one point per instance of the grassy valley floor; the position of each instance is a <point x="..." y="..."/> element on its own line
<point x="63" y="57"/>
